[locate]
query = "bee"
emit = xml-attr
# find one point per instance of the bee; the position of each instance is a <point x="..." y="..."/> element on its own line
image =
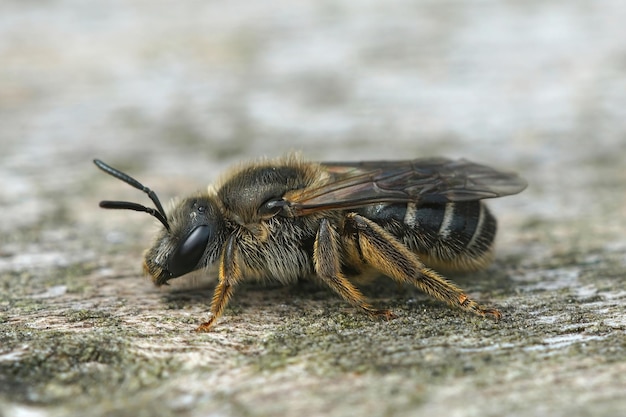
<point x="285" y="219"/>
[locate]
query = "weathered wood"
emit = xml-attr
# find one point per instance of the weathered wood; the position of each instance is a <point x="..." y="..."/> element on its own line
<point x="173" y="94"/>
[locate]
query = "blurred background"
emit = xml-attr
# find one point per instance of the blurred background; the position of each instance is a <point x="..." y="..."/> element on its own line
<point x="186" y="88"/>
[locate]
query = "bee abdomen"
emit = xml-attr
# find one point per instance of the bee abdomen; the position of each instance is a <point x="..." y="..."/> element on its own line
<point x="461" y="234"/>
<point x="456" y="236"/>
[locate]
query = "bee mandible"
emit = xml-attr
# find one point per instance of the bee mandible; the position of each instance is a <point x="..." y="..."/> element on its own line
<point x="287" y="218"/>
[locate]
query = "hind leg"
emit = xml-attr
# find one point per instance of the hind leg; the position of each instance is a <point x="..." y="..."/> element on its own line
<point x="384" y="252"/>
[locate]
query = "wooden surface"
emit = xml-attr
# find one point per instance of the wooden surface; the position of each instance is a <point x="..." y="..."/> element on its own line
<point x="174" y="94"/>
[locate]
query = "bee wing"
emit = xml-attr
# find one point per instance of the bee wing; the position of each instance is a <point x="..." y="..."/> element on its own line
<point x="431" y="180"/>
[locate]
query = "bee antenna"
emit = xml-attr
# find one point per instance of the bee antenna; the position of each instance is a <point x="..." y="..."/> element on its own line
<point x="159" y="213"/>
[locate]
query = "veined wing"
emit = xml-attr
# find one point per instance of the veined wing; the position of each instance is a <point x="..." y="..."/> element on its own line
<point x="428" y="180"/>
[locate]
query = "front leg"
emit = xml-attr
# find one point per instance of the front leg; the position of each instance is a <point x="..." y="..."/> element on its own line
<point x="327" y="262"/>
<point x="384" y="252"/>
<point x="229" y="277"/>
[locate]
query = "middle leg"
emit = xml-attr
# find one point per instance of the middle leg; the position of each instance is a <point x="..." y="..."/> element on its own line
<point x="327" y="261"/>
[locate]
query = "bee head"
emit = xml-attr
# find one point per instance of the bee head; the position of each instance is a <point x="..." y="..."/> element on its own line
<point x="197" y="232"/>
<point x="191" y="237"/>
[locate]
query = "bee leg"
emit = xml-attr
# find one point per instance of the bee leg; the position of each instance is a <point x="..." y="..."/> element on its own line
<point x="384" y="252"/>
<point x="327" y="262"/>
<point x="229" y="276"/>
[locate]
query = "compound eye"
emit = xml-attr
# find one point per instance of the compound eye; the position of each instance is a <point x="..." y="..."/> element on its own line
<point x="189" y="253"/>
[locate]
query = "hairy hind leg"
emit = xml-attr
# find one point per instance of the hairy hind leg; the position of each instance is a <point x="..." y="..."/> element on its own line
<point x="384" y="252"/>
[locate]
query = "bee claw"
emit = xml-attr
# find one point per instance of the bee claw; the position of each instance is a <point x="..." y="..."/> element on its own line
<point x="491" y="313"/>
<point x="384" y="314"/>
<point x="205" y="327"/>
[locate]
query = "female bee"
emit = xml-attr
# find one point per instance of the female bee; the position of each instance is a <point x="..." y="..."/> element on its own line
<point x="286" y="218"/>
